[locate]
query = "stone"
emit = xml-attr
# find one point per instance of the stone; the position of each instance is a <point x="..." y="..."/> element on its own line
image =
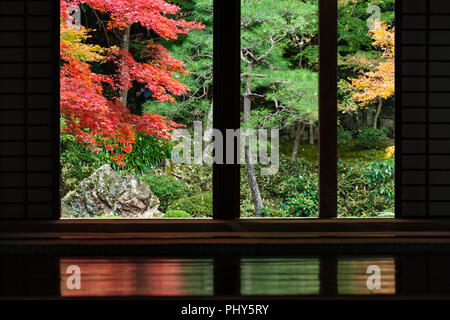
<point x="108" y="193"/>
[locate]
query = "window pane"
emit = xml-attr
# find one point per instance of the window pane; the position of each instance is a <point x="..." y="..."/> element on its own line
<point x="366" y="123"/>
<point x="136" y="109"/>
<point x="279" y="50"/>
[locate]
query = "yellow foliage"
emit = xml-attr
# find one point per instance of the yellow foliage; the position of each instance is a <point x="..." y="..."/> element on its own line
<point x="72" y="44"/>
<point x="390" y="153"/>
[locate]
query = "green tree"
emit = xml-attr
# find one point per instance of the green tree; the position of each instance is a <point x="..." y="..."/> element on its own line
<point x="196" y="48"/>
<point x="295" y="94"/>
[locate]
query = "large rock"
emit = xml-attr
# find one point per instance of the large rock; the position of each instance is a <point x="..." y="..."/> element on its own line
<point x="107" y="193"/>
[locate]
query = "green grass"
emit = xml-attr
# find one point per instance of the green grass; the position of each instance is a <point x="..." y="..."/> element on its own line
<point x="305" y="151"/>
<point x="353" y="151"/>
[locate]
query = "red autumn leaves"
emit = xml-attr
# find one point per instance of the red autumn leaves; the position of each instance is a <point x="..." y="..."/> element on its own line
<point x="99" y="122"/>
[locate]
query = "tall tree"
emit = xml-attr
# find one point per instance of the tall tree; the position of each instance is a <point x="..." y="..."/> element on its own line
<point x="356" y="52"/>
<point x="266" y="28"/>
<point x="295" y="93"/>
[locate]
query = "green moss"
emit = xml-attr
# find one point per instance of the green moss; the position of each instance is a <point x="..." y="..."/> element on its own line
<point x="177" y="214"/>
<point x="353" y="151"/>
<point x="275" y="213"/>
<point x="305" y="151"/>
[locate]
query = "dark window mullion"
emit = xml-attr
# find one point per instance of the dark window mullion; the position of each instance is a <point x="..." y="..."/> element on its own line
<point x="226" y="112"/>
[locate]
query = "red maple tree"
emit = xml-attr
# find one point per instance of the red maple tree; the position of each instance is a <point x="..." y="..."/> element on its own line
<point x="87" y="114"/>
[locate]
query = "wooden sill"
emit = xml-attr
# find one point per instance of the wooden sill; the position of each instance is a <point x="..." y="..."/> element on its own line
<point x="208" y="229"/>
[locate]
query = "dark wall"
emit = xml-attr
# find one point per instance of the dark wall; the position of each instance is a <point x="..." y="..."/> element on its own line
<point x="423" y="110"/>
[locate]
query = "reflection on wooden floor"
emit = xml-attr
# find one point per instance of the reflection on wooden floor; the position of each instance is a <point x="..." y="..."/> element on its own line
<point x="139" y="276"/>
<point x="281" y="276"/>
<point x="194" y="277"/>
<point x="353" y="273"/>
<point x="404" y="275"/>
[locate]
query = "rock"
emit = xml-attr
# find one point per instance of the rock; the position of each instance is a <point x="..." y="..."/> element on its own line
<point x="107" y="193"/>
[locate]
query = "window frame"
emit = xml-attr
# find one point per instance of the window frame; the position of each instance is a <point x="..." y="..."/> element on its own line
<point x="226" y="112"/>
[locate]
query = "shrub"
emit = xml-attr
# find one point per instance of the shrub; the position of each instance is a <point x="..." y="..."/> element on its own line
<point x="198" y="205"/>
<point x="300" y="196"/>
<point x="369" y="137"/>
<point x="269" y="184"/>
<point x="166" y="188"/>
<point x="148" y="152"/>
<point x="274" y="213"/>
<point x="379" y="177"/>
<point x="343" y="136"/>
<point x="358" y="193"/>
<point x="198" y="177"/>
<point x="77" y="163"/>
<point x="177" y="214"/>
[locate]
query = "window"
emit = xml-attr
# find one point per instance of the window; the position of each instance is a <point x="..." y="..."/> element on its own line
<point x="133" y="146"/>
<point x="146" y="147"/>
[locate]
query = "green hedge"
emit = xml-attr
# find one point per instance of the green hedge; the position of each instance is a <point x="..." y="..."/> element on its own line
<point x="177" y="214"/>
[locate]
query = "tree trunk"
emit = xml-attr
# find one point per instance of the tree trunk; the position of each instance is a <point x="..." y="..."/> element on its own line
<point x="298" y="138"/>
<point x="256" y="194"/>
<point x="300" y="60"/>
<point x="377" y="115"/>
<point x="125" y="46"/>
<point x="311" y="134"/>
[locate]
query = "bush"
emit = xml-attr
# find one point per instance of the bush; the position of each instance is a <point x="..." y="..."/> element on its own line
<point x="269" y="185"/>
<point x="198" y="177"/>
<point x="379" y="177"/>
<point x="177" y="214"/>
<point x="369" y="137"/>
<point x="198" y="205"/>
<point x="148" y="153"/>
<point x="300" y="196"/>
<point x="343" y="136"/>
<point x="78" y="163"/>
<point x="365" y="189"/>
<point x="166" y="188"/>
<point x="274" y="213"/>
